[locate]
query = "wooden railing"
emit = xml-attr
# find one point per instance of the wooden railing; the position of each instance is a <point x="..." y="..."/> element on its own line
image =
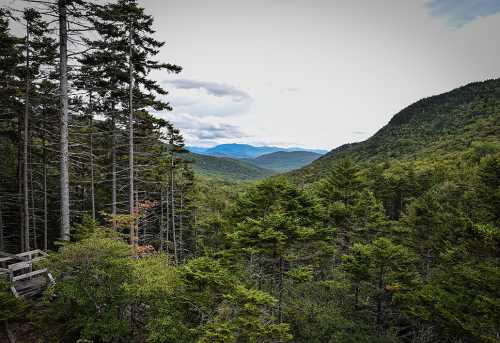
<point x="19" y="269"/>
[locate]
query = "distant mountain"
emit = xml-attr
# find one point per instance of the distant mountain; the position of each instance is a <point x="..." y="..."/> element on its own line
<point x="241" y="151"/>
<point x="435" y="128"/>
<point x="227" y="168"/>
<point x="282" y="161"/>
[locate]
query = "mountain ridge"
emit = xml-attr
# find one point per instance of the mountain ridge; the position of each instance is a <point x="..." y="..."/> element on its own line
<point x="237" y="150"/>
<point x="227" y="168"/>
<point x="283" y="161"/>
<point x="438" y="126"/>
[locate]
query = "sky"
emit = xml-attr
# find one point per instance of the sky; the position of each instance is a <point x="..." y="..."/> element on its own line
<point x="314" y="73"/>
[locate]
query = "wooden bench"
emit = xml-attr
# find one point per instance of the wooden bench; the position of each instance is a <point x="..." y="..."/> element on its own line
<point x="25" y="281"/>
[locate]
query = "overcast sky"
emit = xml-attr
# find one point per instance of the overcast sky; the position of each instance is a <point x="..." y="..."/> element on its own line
<point x="315" y="73"/>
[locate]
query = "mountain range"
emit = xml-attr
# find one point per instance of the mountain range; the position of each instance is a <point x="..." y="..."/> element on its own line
<point x="239" y="151"/>
<point x="248" y="162"/>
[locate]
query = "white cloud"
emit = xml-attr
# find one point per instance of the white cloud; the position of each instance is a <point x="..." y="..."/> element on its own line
<point x="202" y="98"/>
<point x="203" y="131"/>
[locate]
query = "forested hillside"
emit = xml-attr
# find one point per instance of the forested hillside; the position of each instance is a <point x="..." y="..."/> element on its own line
<point x="109" y="234"/>
<point x="227" y="168"/>
<point x="441" y="127"/>
<point x="282" y="161"/>
<point x="243" y="169"/>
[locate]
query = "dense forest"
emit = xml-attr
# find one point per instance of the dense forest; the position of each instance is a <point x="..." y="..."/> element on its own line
<point x="395" y="239"/>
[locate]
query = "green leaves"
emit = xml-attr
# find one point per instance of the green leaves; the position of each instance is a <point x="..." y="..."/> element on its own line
<point x="228" y="310"/>
<point x="12" y="307"/>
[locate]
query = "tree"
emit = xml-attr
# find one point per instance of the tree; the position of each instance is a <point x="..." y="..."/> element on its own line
<point x="39" y="51"/>
<point x="276" y="229"/>
<point x="338" y="192"/>
<point x="460" y="300"/>
<point x="10" y="133"/>
<point x="222" y="309"/>
<point x="489" y="188"/>
<point x="64" y="119"/>
<point x="385" y="270"/>
<point x="126" y="31"/>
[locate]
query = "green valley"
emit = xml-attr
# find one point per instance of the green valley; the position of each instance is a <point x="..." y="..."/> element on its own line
<point x="125" y="216"/>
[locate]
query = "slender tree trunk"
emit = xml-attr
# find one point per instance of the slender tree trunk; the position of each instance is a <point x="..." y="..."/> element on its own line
<point x="25" y="144"/>
<point x="2" y="241"/>
<point x="33" y="217"/>
<point x="195" y="227"/>
<point x="91" y="125"/>
<point x="356" y="296"/>
<point x="19" y="172"/>
<point x="131" y="136"/>
<point x="167" y="217"/>
<point x="113" y="166"/>
<point x="181" y="242"/>
<point x="172" y="193"/>
<point x="161" y="220"/>
<point x="45" y="214"/>
<point x="428" y="261"/>
<point x="137" y="220"/>
<point x="63" y="89"/>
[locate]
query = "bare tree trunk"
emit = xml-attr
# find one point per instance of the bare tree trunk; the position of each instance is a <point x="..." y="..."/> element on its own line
<point x="113" y="166"/>
<point x="2" y="241"/>
<point x="33" y="218"/>
<point x="45" y="214"/>
<point x="91" y="125"/>
<point x="161" y="220"/>
<point x="356" y="296"/>
<point x="181" y="243"/>
<point x="137" y="220"/>
<point x="131" y="136"/>
<point x="63" y="89"/>
<point x="172" y="193"/>
<point x="19" y="172"/>
<point x="167" y="231"/>
<point x="195" y="227"/>
<point x="25" y="144"/>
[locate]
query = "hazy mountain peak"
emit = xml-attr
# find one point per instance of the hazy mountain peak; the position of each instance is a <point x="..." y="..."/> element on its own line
<point x="244" y="151"/>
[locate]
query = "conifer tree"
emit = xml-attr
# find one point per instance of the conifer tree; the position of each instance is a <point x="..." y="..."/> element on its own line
<point x="125" y="32"/>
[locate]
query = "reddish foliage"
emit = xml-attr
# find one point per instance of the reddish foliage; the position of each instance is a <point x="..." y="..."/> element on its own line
<point x="144" y="250"/>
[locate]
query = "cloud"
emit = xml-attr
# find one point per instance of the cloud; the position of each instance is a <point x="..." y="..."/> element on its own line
<point x="203" y="130"/>
<point x="359" y="132"/>
<point x="460" y="12"/>
<point x="203" y="98"/>
<point x="214" y="88"/>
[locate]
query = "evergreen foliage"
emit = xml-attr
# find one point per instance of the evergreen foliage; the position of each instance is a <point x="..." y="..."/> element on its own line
<point x="392" y="240"/>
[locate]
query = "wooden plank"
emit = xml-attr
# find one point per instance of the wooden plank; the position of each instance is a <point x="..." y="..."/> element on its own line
<point x="13" y="289"/>
<point x="28" y="275"/>
<point x="31" y="253"/>
<point x="19" y="265"/>
<point x="5" y="254"/>
<point x="5" y="259"/>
